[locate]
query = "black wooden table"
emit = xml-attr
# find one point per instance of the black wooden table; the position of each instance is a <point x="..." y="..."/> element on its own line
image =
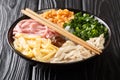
<point x="104" y="67"/>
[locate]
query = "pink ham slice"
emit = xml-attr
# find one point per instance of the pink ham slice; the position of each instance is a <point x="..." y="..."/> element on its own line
<point x="30" y="26"/>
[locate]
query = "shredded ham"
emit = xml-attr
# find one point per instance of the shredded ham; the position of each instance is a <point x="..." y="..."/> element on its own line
<point x="30" y="26"/>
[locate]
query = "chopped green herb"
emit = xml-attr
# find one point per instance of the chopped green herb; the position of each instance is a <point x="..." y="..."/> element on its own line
<point x="86" y="26"/>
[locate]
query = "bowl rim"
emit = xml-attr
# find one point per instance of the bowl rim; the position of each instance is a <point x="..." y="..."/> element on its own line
<point x="10" y="42"/>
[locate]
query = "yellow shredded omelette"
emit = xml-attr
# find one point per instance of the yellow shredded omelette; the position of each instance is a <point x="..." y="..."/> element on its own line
<point x="34" y="47"/>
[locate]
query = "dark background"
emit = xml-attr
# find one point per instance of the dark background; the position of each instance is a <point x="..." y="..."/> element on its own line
<point x="103" y="67"/>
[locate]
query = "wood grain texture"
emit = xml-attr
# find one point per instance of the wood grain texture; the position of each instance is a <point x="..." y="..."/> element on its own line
<point x="103" y="67"/>
<point x="12" y="67"/>
<point x="108" y="10"/>
<point x="77" y="4"/>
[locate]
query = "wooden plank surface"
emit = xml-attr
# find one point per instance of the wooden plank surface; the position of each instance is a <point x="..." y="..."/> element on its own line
<point x="77" y="4"/>
<point x="12" y="67"/>
<point x="103" y="67"/>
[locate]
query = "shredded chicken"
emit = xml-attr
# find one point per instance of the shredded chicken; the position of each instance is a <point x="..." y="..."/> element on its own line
<point x="70" y="52"/>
